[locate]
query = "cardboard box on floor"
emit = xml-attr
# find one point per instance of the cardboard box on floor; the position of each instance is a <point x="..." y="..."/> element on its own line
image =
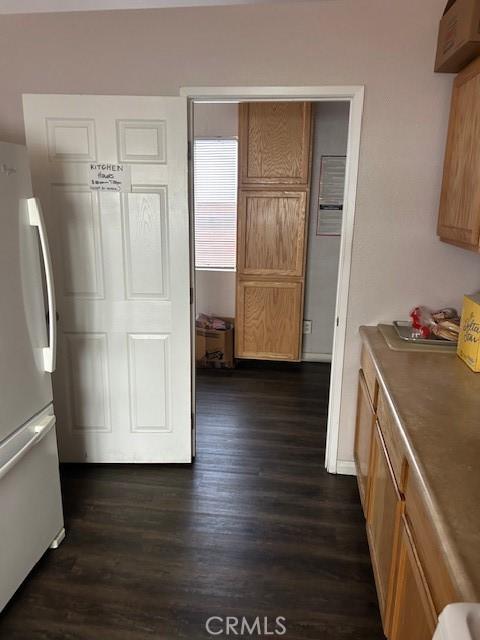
<point x="459" y="36"/>
<point x="214" y="348"/>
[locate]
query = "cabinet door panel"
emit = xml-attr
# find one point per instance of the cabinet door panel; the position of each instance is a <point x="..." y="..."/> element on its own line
<point x="384" y="507"/>
<point x="413" y="614"/>
<point x="428" y="546"/>
<point x="274" y="143"/>
<point x="271" y="233"/>
<point x="459" y="216"/>
<point x="363" y="440"/>
<point x="268" y="320"/>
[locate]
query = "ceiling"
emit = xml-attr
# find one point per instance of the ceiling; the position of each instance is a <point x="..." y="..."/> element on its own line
<point x="46" y="6"/>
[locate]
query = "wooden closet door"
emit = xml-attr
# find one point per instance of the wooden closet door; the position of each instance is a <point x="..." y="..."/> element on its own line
<point x="267" y="319"/>
<point x="274" y="170"/>
<point x="275" y="143"/>
<point x="271" y="233"/>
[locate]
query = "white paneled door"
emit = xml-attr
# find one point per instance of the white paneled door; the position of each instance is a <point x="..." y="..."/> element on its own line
<point x="121" y="262"/>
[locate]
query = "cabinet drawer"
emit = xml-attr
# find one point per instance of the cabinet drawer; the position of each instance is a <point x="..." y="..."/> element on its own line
<point x="427" y="545"/>
<point x="30" y="495"/>
<point x="391" y="437"/>
<point x="370" y="374"/>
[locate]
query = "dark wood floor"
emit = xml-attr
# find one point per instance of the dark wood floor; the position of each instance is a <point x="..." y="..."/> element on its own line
<point x="255" y="528"/>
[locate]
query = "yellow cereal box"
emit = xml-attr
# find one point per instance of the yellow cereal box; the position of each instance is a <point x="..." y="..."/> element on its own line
<point x="469" y="340"/>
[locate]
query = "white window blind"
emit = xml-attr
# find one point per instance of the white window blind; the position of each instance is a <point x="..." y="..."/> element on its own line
<point x="215" y="202"/>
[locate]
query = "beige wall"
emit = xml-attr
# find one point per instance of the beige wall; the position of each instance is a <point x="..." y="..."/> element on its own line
<point x="330" y="138"/>
<point x="387" y="45"/>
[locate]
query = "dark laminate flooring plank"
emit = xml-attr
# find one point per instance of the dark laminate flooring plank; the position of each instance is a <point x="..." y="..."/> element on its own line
<point x="255" y="527"/>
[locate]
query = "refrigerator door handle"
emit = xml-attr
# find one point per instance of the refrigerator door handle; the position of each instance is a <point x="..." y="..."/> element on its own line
<point x="36" y="220"/>
<point x="40" y="430"/>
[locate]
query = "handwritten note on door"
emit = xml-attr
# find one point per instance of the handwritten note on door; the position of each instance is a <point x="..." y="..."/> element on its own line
<point x="106" y="176"/>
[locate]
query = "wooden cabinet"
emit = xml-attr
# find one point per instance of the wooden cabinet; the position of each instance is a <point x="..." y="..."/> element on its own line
<point x="274" y="182"/>
<point x="384" y="507"/>
<point x="363" y="439"/>
<point x="413" y="616"/>
<point x="459" y="215"/>
<point x="414" y="582"/>
<point x="275" y="143"/>
<point x="428" y="546"/>
<point x="271" y="233"/>
<point x="267" y="318"/>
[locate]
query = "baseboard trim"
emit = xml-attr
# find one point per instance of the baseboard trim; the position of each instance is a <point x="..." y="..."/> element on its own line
<point x="346" y="468"/>
<point x="316" y="357"/>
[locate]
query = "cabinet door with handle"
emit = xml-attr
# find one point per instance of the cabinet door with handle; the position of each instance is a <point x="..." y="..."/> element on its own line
<point x="459" y="215"/>
<point x="413" y="615"/>
<point x="384" y="508"/>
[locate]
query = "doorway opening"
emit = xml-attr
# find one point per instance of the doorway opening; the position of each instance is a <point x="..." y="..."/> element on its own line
<point x="270" y="186"/>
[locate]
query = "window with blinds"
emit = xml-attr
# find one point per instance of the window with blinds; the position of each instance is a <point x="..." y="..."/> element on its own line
<point x="215" y="202"/>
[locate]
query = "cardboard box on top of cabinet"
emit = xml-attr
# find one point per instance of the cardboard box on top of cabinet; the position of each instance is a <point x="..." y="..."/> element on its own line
<point x="459" y="36"/>
<point x="469" y="339"/>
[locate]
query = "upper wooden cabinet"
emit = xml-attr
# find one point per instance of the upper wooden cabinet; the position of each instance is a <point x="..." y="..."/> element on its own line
<point x="459" y="216"/>
<point x="274" y="143"/>
<point x="271" y="233"/>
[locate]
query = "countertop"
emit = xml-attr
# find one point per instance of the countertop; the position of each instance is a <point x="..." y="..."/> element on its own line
<point x="436" y="402"/>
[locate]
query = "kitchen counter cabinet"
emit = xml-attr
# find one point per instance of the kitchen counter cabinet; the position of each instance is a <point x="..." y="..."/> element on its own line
<point x="426" y="444"/>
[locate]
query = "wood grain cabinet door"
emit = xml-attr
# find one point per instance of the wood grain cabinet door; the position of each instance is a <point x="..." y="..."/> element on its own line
<point x="274" y="143"/>
<point x="271" y="233"/>
<point x="363" y="440"/>
<point x="459" y="215"/>
<point x="384" y="510"/>
<point x="268" y="319"/>
<point x="413" y="615"/>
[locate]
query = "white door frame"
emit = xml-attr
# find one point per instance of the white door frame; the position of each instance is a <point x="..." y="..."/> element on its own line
<point x="355" y="96"/>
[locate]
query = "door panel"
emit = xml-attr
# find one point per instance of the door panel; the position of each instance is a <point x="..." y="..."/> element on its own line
<point x="384" y="507"/>
<point x="23" y="379"/>
<point x="275" y="143"/>
<point x="459" y="219"/>
<point x="363" y="440"/>
<point x="268" y="316"/>
<point x="121" y="264"/>
<point x="413" y="613"/>
<point x="271" y="232"/>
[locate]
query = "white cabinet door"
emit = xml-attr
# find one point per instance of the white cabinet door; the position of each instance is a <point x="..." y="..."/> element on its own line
<point x="121" y="262"/>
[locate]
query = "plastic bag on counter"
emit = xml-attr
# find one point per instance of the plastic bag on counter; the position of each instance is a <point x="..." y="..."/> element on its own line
<point x="422" y="320"/>
<point x="444" y="323"/>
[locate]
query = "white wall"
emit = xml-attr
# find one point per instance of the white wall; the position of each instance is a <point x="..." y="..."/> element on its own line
<point x="386" y="45"/>
<point x="330" y="138"/>
<point x="215" y="290"/>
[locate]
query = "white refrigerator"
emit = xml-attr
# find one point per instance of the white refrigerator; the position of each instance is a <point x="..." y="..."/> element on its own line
<point x="31" y="517"/>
